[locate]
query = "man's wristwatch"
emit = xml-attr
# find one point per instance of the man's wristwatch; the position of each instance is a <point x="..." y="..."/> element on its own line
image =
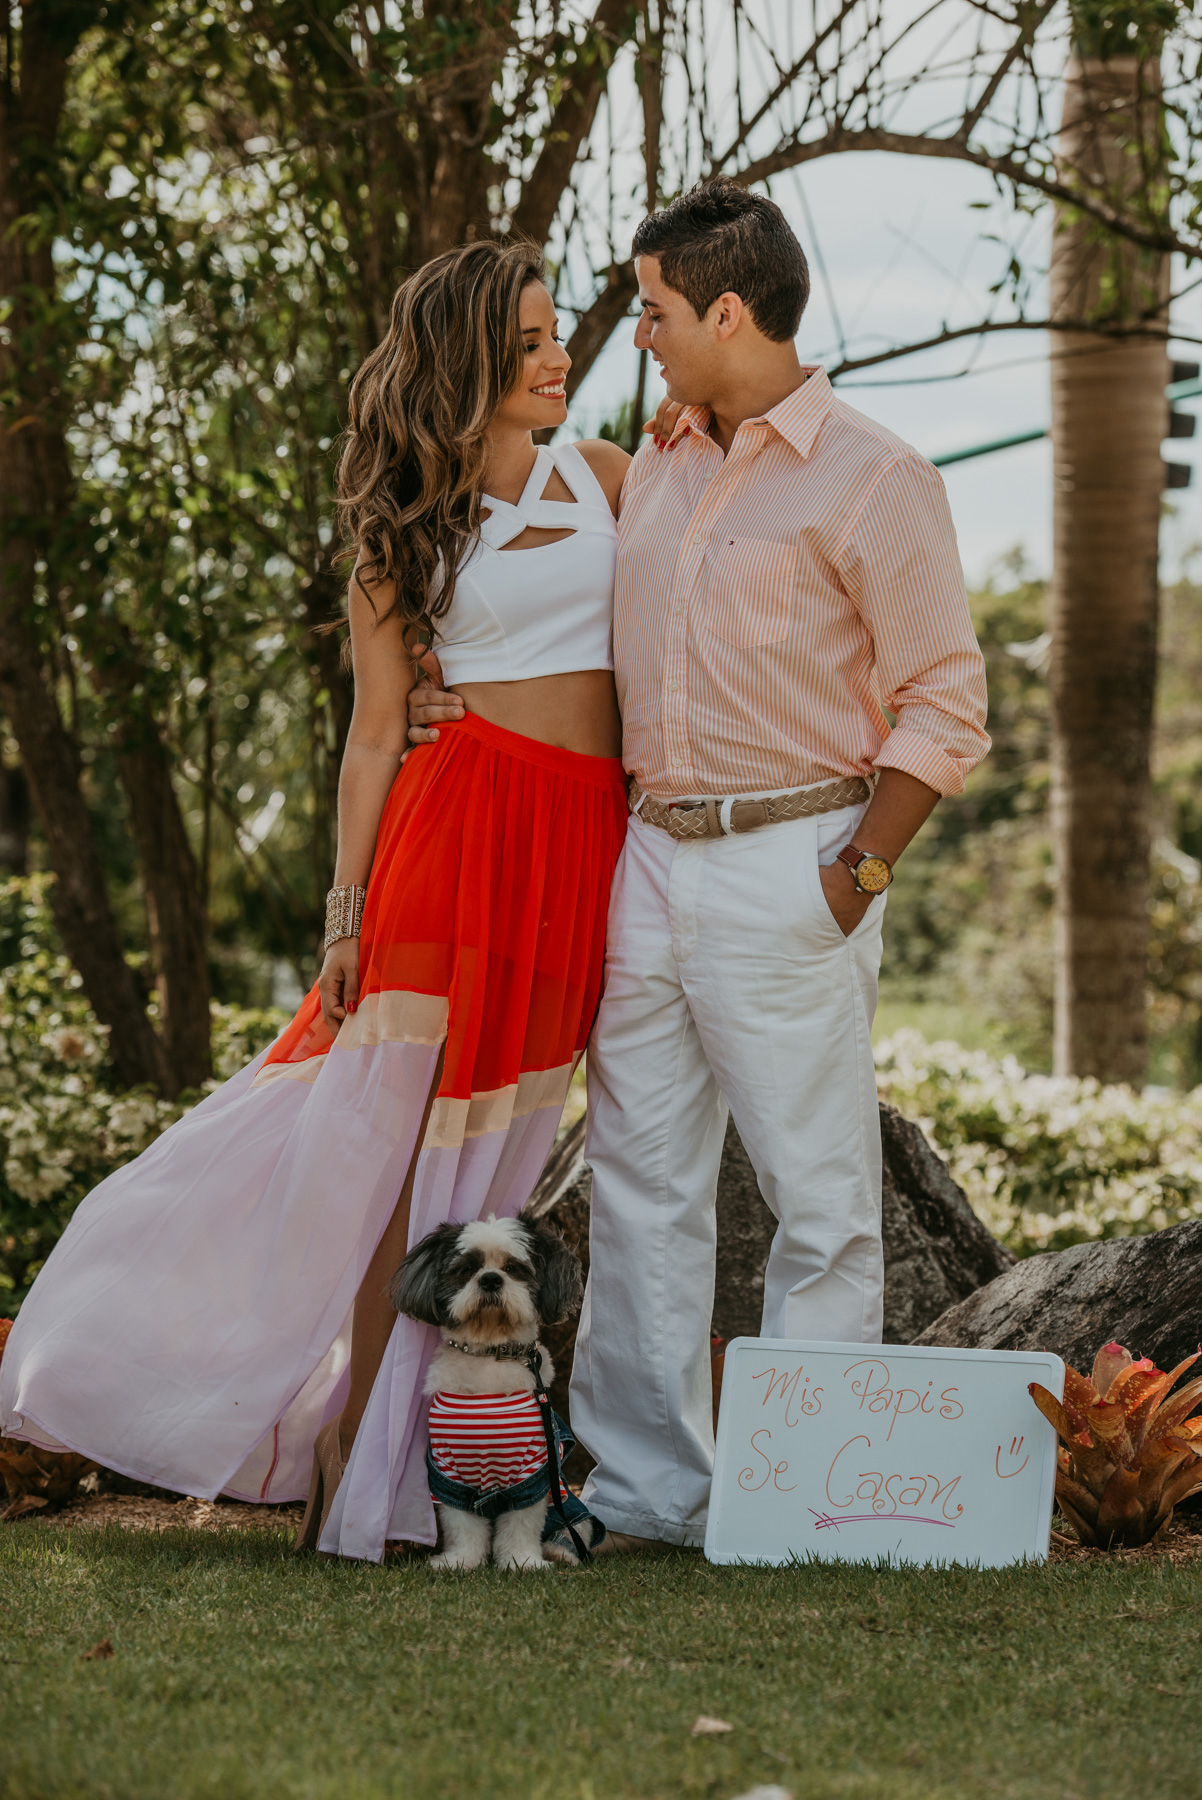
<point x="871" y="873"/>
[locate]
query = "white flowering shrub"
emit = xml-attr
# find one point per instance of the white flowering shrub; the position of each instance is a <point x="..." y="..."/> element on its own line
<point x="1044" y="1162"/>
<point x="1049" y="1162"/>
<point x="64" y="1125"/>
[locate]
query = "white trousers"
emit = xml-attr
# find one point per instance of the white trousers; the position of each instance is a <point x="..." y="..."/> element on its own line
<point x="728" y="983"/>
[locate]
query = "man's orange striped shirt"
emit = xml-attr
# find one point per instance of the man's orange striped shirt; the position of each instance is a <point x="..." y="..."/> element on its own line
<point x="770" y="604"/>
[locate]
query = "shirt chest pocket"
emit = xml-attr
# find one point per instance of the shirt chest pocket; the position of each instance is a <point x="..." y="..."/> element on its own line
<point x="751" y="590"/>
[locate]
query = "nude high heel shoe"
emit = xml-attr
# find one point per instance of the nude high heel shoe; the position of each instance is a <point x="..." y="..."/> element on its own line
<point x="328" y="1468"/>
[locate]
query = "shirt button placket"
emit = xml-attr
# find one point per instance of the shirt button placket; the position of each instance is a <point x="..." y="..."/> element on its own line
<point x="676" y="736"/>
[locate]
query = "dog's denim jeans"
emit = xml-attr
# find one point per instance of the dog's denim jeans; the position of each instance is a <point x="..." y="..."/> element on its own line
<point x="492" y="1502"/>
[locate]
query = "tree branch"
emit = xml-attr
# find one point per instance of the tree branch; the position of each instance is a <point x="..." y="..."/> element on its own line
<point x="1030" y="16"/>
<point x="596" y="325"/>
<point x="1143" y="332"/>
<point x="840" y="141"/>
<point x="786" y="81"/>
<point x="572" y="119"/>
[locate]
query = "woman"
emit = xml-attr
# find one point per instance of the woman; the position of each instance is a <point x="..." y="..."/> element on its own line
<point x="215" y="1317"/>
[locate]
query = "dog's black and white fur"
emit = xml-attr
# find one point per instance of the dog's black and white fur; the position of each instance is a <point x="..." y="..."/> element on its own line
<point x="491" y="1282"/>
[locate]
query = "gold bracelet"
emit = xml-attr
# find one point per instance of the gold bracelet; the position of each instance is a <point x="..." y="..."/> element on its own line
<point x="344" y="913"/>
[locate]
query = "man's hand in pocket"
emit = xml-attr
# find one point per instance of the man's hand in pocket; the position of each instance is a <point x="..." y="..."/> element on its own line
<point x="848" y="905"/>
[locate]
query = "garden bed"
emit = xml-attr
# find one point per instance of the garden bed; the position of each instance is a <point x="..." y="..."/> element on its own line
<point x="1181" y="1542"/>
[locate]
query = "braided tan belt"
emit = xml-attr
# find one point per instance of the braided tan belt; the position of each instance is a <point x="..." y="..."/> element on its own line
<point x="717" y="818"/>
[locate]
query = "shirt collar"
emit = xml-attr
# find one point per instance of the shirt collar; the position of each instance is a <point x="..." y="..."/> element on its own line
<point x="797" y="418"/>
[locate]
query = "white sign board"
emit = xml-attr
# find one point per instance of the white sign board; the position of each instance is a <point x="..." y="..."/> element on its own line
<point x="862" y="1452"/>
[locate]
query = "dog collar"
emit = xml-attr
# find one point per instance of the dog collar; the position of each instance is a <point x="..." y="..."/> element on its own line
<point x="511" y="1352"/>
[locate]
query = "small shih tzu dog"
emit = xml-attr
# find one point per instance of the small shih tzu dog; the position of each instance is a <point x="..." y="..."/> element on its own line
<point x="488" y="1286"/>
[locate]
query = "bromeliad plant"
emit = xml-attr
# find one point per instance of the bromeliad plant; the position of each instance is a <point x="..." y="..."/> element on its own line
<point x="1128" y="1451"/>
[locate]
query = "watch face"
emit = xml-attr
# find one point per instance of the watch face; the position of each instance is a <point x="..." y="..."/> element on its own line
<point x="873" y="874"/>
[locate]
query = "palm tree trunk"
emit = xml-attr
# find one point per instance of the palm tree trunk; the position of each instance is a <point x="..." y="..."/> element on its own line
<point x="1109" y="418"/>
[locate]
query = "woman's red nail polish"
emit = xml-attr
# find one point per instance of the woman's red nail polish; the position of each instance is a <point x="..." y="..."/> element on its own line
<point x="352" y="1006"/>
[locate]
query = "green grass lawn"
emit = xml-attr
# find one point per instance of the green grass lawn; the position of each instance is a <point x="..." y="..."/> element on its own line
<point x="239" y="1671"/>
<point x="935" y="1020"/>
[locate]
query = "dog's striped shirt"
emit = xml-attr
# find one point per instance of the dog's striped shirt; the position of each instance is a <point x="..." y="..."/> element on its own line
<point x="486" y="1441"/>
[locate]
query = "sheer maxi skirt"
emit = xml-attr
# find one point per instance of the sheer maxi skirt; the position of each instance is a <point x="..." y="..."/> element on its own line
<point x="192" y="1326"/>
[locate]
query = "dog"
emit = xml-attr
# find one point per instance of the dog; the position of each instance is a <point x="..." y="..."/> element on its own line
<point x="488" y="1286"/>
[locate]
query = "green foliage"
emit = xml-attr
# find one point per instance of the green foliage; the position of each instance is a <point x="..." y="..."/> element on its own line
<point x="244" y="1672"/>
<point x="1133" y="28"/>
<point x="969" y="916"/>
<point x="617" y="430"/>
<point x="239" y="188"/>
<point x="1047" y="1163"/>
<point x="969" y="920"/>
<point x="64" y="1125"/>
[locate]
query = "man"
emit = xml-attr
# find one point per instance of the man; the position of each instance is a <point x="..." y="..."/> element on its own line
<point x="786" y="570"/>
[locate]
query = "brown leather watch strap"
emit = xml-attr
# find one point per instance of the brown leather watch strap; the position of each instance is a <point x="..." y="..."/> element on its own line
<point x="852" y="856"/>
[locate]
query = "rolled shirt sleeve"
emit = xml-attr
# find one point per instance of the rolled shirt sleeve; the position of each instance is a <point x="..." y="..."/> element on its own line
<point x="901" y="569"/>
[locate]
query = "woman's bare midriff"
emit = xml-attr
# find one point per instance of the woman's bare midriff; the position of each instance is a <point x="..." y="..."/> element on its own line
<point x="570" y="712"/>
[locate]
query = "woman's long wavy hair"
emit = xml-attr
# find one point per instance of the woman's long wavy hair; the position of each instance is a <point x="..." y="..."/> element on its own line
<point x="410" y="477"/>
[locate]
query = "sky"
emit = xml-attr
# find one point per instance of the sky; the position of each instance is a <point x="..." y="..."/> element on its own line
<point x="903" y="252"/>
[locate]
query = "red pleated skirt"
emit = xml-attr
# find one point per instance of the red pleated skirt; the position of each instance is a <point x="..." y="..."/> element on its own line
<point x="484" y="924"/>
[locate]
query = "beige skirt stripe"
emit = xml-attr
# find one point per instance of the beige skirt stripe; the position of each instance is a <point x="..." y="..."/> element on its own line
<point x="453" y="1121"/>
<point x="395" y="1017"/>
<point x="308" y="1071"/>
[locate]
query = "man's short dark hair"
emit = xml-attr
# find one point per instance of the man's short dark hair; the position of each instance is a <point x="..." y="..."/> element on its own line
<point x="721" y="239"/>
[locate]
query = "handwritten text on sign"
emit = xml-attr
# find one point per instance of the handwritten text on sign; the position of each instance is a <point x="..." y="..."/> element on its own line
<point x="860" y="1452"/>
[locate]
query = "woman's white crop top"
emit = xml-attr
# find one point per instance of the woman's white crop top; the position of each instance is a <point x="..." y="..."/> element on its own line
<point x="542" y="611"/>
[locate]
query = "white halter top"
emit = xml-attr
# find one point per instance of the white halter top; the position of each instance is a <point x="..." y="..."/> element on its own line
<point x="542" y="611"/>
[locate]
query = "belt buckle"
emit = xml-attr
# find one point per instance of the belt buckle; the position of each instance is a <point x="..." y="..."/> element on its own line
<point x="748" y="815"/>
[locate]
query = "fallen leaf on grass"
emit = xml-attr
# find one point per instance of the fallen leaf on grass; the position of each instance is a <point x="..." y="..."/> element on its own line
<point x="706" y="1727"/>
<point x="99" y="1652"/>
<point x="620" y="1663"/>
<point x="873" y="1625"/>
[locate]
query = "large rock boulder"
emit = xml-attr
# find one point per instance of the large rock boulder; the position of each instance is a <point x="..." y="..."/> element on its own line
<point x="1144" y="1292"/>
<point x="936" y="1249"/>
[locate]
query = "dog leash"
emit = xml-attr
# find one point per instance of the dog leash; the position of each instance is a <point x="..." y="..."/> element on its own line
<point x="534" y="1364"/>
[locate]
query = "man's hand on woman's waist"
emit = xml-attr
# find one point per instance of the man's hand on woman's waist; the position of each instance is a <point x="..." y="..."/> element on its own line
<point x="429" y="703"/>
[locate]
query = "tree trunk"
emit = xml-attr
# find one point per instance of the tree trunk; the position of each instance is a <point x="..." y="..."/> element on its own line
<point x="323" y="649"/>
<point x="14" y="820"/>
<point x="1108" y="421"/>
<point x="174" y="905"/>
<point x="78" y="898"/>
<point x="32" y="452"/>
